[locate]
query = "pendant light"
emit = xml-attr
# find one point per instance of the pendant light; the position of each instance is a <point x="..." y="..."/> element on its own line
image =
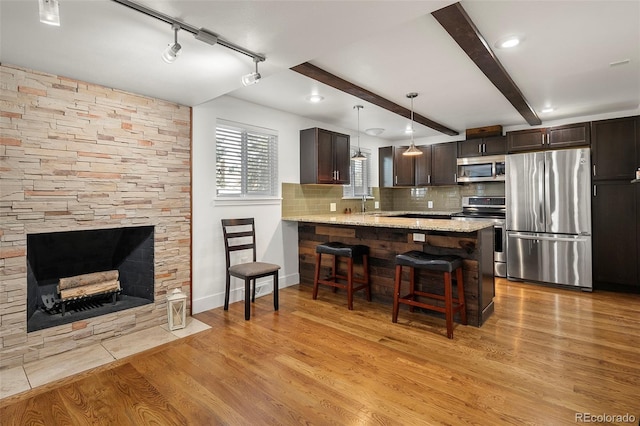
<point x="412" y="150"/>
<point x="359" y="155"/>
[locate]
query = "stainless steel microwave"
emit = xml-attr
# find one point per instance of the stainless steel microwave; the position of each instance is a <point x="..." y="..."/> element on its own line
<point x="481" y="169"/>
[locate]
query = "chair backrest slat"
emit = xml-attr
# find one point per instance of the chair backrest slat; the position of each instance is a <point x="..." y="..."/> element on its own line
<point x="241" y="247"/>
<point x="230" y="236"/>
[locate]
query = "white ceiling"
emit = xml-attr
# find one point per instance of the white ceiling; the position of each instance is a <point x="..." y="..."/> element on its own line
<point x="388" y="47"/>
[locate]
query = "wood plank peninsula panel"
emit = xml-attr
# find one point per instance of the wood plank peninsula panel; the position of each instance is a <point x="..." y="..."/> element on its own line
<point x="390" y="236"/>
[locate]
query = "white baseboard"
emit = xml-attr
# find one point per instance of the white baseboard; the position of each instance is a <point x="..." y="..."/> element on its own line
<point x="264" y="286"/>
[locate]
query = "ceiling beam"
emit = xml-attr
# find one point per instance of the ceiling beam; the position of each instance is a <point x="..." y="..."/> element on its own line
<point x="457" y="23"/>
<point x="336" y="82"/>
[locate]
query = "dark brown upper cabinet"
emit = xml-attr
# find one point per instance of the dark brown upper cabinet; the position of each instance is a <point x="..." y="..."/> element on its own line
<point x="443" y="163"/>
<point x="436" y="166"/>
<point x="324" y="157"/>
<point x="394" y="168"/>
<point x="494" y="145"/>
<point x="615" y="151"/>
<point x="570" y="135"/>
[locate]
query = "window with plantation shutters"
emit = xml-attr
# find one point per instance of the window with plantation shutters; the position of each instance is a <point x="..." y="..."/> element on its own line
<point x="246" y="161"/>
<point x="359" y="170"/>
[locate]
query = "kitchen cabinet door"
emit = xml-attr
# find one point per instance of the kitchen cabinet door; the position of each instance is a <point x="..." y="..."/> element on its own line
<point x="569" y="136"/>
<point x="404" y="168"/>
<point x="526" y="140"/>
<point x="443" y="163"/>
<point x="615" y="148"/>
<point x="494" y="145"/>
<point x="423" y="166"/>
<point x="342" y="158"/>
<point x="324" y="162"/>
<point x="616" y="237"/>
<point x="386" y="176"/>
<point x="470" y="148"/>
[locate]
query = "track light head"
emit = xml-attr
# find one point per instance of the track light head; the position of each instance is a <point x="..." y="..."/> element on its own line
<point x="171" y="53"/>
<point x="250" y="79"/>
<point x="254" y="77"/>
<point x="173" y="49"/>
<point x="49" y="12"/>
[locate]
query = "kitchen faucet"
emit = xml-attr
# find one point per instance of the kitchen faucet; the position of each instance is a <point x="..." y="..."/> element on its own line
<point x="364" y="200"/>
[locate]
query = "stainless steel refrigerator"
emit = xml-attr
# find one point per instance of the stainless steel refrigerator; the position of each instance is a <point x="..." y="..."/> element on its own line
<point x="549" y="217"/>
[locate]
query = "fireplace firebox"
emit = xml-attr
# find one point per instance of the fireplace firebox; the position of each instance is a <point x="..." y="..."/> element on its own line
<point x="126" y="253"/>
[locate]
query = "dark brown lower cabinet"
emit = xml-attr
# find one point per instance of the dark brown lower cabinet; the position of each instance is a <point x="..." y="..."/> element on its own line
<point x="616" y="236"/>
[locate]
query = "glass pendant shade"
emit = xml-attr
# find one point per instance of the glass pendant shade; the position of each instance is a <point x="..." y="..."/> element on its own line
<point x="359" y="156"/>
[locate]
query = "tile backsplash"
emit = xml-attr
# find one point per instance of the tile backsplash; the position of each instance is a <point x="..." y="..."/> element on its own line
<point x="316" y="199"/>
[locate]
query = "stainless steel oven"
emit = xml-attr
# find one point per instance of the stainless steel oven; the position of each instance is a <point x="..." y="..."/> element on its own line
<point x="490" y="209"/>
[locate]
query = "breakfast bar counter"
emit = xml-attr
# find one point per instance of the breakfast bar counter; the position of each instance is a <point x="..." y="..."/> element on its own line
<point x="388" y="235"/>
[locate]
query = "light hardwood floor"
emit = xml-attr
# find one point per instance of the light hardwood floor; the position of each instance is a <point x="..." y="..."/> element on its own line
<point x="543" y="357"/>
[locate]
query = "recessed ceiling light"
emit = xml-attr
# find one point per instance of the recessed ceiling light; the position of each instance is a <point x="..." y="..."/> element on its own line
<point x="375" y="131"/>
<point x="622" y="62"/>
<point x="315" y="98"/>
<point x="547" y="109"/>
<point x="508" y="42"/>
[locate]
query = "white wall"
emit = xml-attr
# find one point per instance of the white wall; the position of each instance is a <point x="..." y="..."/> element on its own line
<point x="277" y="241"/>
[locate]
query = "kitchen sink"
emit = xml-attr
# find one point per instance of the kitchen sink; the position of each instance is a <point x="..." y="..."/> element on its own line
<point x="423" y="216"/>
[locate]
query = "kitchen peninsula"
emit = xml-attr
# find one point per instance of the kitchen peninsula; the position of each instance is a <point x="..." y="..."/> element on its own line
<point x="388" y="236"/>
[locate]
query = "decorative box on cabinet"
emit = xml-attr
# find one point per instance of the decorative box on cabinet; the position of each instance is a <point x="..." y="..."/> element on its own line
<point x="324" y="157"/>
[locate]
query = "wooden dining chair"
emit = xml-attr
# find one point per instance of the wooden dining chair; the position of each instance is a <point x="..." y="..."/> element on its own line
<point x="240" y="234"/>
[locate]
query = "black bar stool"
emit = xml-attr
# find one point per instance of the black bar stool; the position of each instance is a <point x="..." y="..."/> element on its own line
<point x="350" y="252"/>
<point x="446" y="264"/>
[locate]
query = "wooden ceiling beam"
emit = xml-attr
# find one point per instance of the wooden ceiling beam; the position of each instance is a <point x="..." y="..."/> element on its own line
<point x="336" y="82"/>
<point x="457" y="23"/>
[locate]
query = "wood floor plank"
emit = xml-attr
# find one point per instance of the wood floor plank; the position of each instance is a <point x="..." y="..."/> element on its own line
<point x="545" y="355"/>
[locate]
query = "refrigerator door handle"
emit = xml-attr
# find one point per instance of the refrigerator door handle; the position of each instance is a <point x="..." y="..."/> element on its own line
<point x="543" y="185"/>
<point x="548" y="238"/>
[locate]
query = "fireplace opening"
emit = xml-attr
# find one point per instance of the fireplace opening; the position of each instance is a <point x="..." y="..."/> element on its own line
<point x="123" y="259"/>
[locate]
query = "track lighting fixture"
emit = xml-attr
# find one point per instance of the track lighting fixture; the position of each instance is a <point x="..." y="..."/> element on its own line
<point x="412" y="150"/>
<point x="202" y="34"/>
<point x="49" y="12"/>
<point x="359" y="155"/>
<point x="254" y="77"/>
<point x="173" y="49"/>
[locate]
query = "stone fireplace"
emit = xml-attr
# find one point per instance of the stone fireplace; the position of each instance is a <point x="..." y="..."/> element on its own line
<point x="55" y="255"/>
<point x="76" y="157"/>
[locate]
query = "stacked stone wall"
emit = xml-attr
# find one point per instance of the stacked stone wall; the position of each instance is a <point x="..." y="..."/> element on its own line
<point x="79" y="156"/>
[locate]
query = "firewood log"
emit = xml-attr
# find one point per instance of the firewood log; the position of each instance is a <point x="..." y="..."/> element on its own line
<point x="86" y="279"/>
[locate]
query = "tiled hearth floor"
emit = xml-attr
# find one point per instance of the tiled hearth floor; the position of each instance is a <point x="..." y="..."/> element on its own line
<point x="37" y="373"/>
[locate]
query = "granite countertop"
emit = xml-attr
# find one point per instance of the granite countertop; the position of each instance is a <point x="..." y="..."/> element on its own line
<point x="387" y="220"/>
